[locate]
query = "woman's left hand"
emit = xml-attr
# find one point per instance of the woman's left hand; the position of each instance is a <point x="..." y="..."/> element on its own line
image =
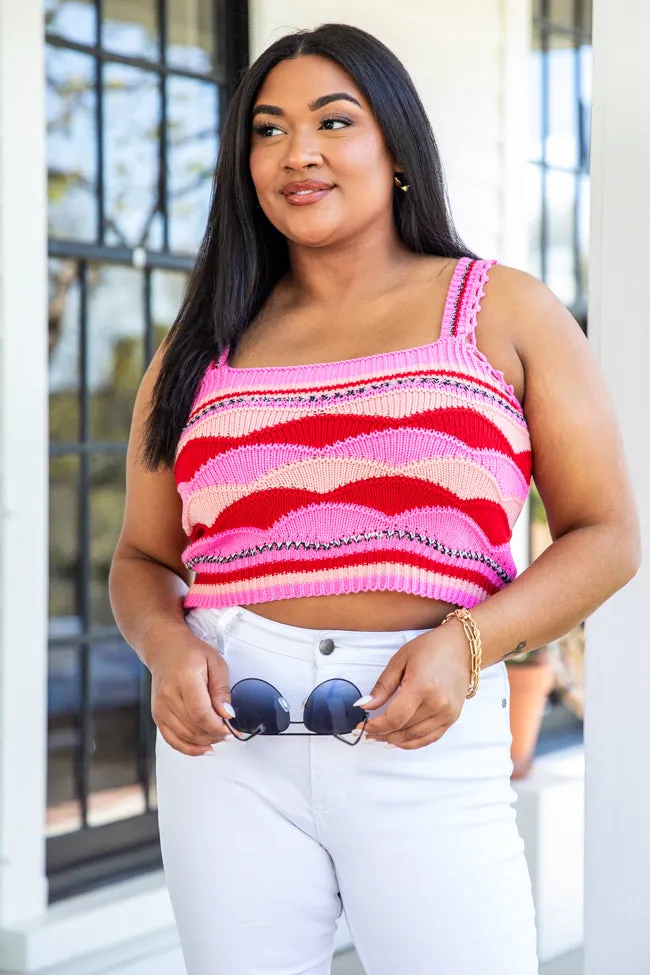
<point x="432" y="673"/>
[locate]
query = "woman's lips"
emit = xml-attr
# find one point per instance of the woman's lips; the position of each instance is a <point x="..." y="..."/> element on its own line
<point x="305" y="197"/>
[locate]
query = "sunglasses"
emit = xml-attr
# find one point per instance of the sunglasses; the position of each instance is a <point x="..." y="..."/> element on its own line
<point x="260" y="709"/>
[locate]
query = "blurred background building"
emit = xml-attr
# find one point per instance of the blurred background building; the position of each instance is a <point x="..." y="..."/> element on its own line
<point x="122" y="104"/>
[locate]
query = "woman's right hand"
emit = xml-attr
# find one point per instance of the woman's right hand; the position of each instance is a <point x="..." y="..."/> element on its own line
<point x="190" y="696"/>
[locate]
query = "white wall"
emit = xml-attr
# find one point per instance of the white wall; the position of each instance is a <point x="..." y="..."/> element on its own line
<point x="469" y="62"/>
<point x="23" y="462"/>
<point x="618" y="640"/>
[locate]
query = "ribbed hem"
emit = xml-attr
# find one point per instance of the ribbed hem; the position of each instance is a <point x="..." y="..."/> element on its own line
<point x="218" y="596"/>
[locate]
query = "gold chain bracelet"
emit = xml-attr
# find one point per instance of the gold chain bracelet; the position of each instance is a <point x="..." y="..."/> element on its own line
<point x="474" y="637"/>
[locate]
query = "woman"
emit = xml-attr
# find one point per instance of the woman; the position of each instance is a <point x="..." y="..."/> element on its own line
<point x="342" y="420"/>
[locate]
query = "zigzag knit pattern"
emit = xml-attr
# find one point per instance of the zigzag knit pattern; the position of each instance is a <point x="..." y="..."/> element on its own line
<point x="403" y="471"/>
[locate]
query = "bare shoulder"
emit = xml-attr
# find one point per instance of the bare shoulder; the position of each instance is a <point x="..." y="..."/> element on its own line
<point x="528" y="312"/>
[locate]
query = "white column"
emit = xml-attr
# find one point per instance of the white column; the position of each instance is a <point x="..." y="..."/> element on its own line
<point x="617" y="739"/>
<point x="23" y="462"/>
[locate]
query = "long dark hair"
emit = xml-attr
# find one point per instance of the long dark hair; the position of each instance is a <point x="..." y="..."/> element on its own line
<point x="242" y="256"/>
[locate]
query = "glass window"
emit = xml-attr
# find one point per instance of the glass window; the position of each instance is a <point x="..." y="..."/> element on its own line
<point x="562" y="13"/>
<point x="116" y="787"/>
<point x="561" y="65"/>
<point x="132" y="153"/>
<point x="561" y="90"/>
<point x="74" y="19"/>
<point x="536" y="68"/>
<point x="116" y="335"/>
<point x="535" y="178"/>
<point x="131" y="28"/>
<point x="190" y="34"/>
<point x="584" y="203"/>
<point x="65" y="598"/>
<point x="561" y="142"/>
<point x="192" y="133"/>
<point x="167" y="291"/>
<point x="561" y="235"/>
<point x="71" y="105"/>
<point x="133" y="127"/>
<point x="107" y="480"/>
<point x="64" y="813"/>
<point x="64" y="332"/>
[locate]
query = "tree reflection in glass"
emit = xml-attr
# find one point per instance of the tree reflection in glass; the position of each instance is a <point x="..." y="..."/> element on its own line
<point x="71" y="144"/>
<point x="192" y="150"/>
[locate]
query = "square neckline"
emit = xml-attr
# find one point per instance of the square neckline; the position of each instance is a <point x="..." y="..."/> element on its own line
<point x="447" y="314"/>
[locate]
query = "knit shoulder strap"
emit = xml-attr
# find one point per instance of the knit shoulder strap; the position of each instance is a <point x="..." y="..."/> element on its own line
<point x="466" y="290"/>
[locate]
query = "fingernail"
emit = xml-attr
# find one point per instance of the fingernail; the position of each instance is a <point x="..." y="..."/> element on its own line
<point x="229" y="709"/>
<point x="356" y="732"/>
<point x="227" y="737"/>
<point x="362" y="701"/>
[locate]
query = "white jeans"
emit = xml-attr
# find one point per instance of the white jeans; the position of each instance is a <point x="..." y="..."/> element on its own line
<point x="265" y="842"/>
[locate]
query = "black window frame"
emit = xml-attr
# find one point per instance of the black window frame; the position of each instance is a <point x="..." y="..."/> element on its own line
<point x="577" y="35"/>
<point x="562" y="728"/>
<point x="96" y="855"/>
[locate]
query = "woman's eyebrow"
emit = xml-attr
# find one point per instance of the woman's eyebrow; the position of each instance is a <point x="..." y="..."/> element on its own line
<point x="313" y="106"/>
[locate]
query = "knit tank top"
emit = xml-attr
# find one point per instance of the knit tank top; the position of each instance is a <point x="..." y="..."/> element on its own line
<point x="403" y="472"/>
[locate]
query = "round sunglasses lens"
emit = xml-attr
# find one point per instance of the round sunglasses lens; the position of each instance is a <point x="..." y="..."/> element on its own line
<point x="258" y="703"/>
<point x="329" y="708"/>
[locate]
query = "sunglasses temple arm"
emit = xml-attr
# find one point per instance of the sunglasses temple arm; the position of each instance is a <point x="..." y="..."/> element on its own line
<point x="237" y="734"/>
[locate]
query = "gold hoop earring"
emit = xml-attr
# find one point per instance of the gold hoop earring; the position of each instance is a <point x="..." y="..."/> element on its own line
<point x="400" y="185"/>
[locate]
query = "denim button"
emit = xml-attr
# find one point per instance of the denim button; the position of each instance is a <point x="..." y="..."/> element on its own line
<point x="326" y="646"/>
<point x="503" y="703"/>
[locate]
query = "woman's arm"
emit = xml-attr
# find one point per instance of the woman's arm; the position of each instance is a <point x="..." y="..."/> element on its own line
<point x="147" y="583"/>
<point x="579" y="470"/>
<point x="148" y="580"/>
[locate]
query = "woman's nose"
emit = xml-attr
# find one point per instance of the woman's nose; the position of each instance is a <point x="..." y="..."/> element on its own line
<point x="301" y="150"/>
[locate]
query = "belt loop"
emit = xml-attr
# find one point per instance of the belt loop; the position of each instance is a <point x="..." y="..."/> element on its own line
<point x="222" y="622"/>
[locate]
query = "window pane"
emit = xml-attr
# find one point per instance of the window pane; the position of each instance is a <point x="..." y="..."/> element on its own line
<point x="190" y="34"/>
<point x="71" y="144"/>
<point x="535" y="98"/>
<point x="586" y="61"/>
<point x="562" y="141"/>
<point x="64" y="741"/>
<point x="561" y="12"/>
<point x="534" y="219"/>
<point x="107" y="481"/>
<point x="167" y="290"/>
<point x="64" y="332"/>
<point x="132" y="124"/>
<point x="64" y="544"/>
<point x="74" y="19"/>
<point x="192" y="136"/>
<point x="583" y="233"/>
<point x="116" y="349"/>
<point x="130" y="27"/>
<point x="560" y="195"/>
<point x="116" y="792"/>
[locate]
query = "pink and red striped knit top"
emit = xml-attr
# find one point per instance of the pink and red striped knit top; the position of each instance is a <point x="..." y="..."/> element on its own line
<point x="403" y="471"/>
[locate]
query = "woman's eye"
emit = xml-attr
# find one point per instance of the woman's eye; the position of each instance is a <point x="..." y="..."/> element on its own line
<point x="265" y="129"/>
<point x="342" y="120"/>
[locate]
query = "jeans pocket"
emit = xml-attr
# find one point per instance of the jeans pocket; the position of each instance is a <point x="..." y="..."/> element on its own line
<point x="211" y="625"/>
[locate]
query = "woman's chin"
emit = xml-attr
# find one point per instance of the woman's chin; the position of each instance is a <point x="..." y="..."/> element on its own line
<point x="313" y="236"/>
